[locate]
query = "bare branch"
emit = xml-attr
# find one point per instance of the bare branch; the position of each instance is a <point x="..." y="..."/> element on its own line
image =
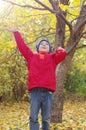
<point x="82" y="34"/>
<point x="30" y="6"/>
<point x="73" y="46"/>
<point x="25" y="6"/>
<point x="79" y="17"/>
<point x="43" y="35"/>
<point x="80" y="22"/>
<point x="82" y="46"/>
<point x="81" y="26"/>
<point x="78" y="30"/>
<point x="75" y="43"/>
<point x="71" y="14"/>
<point x="46" y="7"/>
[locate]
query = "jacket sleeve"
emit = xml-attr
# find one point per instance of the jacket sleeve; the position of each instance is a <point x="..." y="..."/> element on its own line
<point x="23" y="48"/>
<point x="59" y="55"/>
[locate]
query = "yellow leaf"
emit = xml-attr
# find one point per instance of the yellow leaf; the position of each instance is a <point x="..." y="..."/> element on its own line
<point x="64" y="7"/>
<point x="76" y="2"/>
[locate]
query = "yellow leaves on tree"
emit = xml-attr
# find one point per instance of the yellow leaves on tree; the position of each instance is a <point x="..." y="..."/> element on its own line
<point x="64" y="7"/>
<point x="76" y="2"/>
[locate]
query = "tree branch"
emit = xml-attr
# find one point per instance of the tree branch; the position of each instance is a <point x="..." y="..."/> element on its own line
<point x="45" y="35"/>
<point x="80" y="22"/>
<point x="80" y="26"/>
<point x="75" y="43"/>
<point x="82" y="46"/>
<point x="51" y="2"/>
<point x="25" y="6"/>
<point x="59" y="13"/>
<point x="55" y="4"/>
<point x="79" y="17"/>
<point x="78" y="30"/>
<point x="66" y="21"/>
<point x="83" y="34"/>
<point x="46" y="7"/>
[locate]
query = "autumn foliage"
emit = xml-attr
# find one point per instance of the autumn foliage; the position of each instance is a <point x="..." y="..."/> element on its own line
<point x="15" y="116"/>
<point x="63" y="22"/>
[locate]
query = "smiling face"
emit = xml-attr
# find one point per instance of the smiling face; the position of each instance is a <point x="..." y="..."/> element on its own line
<point x="44" y="47"/>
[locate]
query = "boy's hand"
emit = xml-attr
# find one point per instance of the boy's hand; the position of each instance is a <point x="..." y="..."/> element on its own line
<point x="12" y="29"/>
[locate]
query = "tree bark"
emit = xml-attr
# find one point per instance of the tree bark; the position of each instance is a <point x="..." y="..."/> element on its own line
<point x="58" y="100"/>
<point x="63" y="68"/>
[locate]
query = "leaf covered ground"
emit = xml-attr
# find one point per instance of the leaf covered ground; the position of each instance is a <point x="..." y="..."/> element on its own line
<point x="14" y="116"/>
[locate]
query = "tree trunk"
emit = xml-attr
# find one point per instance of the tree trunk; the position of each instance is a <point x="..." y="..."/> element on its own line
<point x="63" y="68"/>
<point x="58" y="101"/>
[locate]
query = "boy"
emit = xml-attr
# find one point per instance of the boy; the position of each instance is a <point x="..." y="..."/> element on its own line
<point x="42" y="78"/>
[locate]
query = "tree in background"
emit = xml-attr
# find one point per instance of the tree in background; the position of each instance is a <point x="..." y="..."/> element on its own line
<point x="70" y="30"/>
<point x="75" y="81"/>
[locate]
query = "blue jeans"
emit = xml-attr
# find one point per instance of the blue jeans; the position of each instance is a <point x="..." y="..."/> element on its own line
<point x="40" y="100"/>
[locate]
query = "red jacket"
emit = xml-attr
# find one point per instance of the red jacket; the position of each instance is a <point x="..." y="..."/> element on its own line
<point x="41" y="70"/>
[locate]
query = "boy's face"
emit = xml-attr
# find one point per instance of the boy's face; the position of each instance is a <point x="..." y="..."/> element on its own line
<point x="44" y="47"/>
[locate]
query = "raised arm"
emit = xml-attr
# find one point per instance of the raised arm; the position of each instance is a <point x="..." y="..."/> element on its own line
<point x="23" y="48"/>
<point x="59" y="55"/>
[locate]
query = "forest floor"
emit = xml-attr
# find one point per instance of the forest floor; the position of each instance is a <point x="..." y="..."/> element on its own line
<point x="15" y="116"/>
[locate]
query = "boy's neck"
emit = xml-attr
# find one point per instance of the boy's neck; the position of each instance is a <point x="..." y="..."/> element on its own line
<point x="41" y="55"/>
<point x="43" y="52"/>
